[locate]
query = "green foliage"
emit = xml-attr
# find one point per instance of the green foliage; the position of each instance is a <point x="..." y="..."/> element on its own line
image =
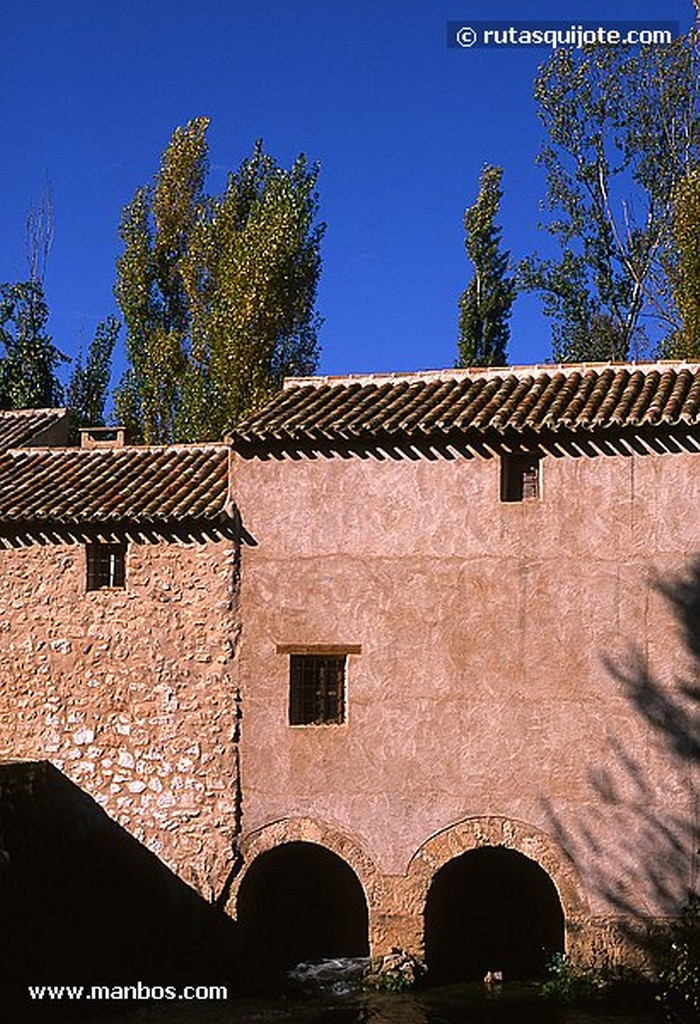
<point x="87" y="391"/>
<point x="623" y="130"/>
<point x="28" y="368"/>
<point x="398" y="971"/>
<point x="485" y="304"/>
<point x="680" y="979"/>
<point x="569" y="982"/>
<point x="217" y="293"/>
<point x="578" y="984"/>
<point x="685" y="273"/>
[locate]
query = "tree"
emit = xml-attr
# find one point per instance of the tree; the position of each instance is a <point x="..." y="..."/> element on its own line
<point x="39" y="233"/>
<point x="623" y="131"/>
<point x="28" y="366"/>
<point x="87" y="391"/>
<point x="28" y="369"/>
<point x="485" y="304"/>
<point x="217" y="293"/>
<point x="685" y="342"/>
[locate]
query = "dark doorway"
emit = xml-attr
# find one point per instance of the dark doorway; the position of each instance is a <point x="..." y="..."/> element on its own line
<point x="491" y="909"/>
<point x="301" y="902"/>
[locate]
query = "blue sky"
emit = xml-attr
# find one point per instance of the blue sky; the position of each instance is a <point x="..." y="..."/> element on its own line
<point x="400" y="124"/>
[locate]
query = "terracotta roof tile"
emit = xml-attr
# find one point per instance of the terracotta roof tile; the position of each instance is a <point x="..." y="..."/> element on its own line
<point x="142" y="485"/>
<point x="23" y="427"/>
<point x="441" y="403"/>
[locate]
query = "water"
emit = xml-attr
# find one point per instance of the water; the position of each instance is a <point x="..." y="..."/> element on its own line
<point x="330" y="993"/>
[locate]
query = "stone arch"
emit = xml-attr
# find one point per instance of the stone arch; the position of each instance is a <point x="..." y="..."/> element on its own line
<point x="308" y="830"/>
<point x="493" y="831"/>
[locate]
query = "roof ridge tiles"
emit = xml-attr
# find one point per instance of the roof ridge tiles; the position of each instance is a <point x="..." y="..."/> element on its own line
<point x="476" y="372"/>
<point x="57" y="410"/>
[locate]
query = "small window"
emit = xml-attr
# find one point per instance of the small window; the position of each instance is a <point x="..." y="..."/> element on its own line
<point x="105" y="566"/>
<point x="520" y="477"/>
<point x="316" y="689"/>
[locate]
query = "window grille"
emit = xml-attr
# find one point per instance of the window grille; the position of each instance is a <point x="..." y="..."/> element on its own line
<point x="106" y="566"/>
<point x="316" y="689"/>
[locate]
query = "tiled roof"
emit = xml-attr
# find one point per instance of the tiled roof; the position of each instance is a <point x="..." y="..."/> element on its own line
<point x="22" y="427"/>
<point x="69" y="486"/>
<point x="590" y="398"/>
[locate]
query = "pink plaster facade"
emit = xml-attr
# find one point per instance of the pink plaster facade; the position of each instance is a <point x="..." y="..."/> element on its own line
<point x="491" y="701"/>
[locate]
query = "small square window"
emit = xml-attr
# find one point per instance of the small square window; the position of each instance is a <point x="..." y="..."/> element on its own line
<point x="106" y="566"/>
<point x="520" y="477"/>
<point x="316" y="689"/>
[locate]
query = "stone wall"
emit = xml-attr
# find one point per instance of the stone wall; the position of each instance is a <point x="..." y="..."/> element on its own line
<point x="130" y="693"/>
<point x="521" y="662"/>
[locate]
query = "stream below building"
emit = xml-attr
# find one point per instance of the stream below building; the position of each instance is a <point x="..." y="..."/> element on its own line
<point x="331" y="993"/>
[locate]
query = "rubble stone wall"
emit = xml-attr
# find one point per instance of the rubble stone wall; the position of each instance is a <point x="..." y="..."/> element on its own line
<point x="130" y="693"/>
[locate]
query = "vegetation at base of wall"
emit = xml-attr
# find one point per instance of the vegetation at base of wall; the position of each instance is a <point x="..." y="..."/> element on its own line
<point x="680" y="977"/>
<point x="398" y="971"/>
<point x="569" y="982"/>
<point x="575" y="984"/>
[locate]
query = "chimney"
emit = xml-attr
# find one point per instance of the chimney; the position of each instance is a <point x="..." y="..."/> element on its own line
<point x="102" y="437"/>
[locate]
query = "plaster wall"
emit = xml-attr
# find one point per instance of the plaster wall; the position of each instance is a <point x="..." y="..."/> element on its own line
<point x="129" y="692"/>
<point x="501" y="645"/>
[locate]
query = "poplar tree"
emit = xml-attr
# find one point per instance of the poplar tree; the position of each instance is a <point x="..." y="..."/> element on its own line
<point x="86" y="395"/>
<point x="485" y="305"/>
<point x="622" y="130"/>
<point x="685" y="343"/>
<point x="217" y="293"/>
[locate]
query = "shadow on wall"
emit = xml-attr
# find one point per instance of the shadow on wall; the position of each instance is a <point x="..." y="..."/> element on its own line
<point x="650" y="869"/>
<point x="82" y="902"/>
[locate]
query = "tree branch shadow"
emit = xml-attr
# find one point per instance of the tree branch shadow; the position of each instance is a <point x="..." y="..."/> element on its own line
<point x="636" y="838"/>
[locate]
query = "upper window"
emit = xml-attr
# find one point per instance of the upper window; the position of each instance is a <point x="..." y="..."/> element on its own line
<point x="106" y="566"/>
<point x="316" y="689"/>
<point x="520" y="477"/>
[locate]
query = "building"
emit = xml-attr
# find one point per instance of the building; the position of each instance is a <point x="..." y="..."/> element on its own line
<point x="467" y="618"/>
<point x="407" y="662"/>
<point x="118" y="570"/>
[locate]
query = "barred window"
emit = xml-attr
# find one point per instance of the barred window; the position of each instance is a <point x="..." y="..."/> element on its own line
<point x="316" y="689"/>
<point x="105" y="566"/>
<point x="520" y="477"/>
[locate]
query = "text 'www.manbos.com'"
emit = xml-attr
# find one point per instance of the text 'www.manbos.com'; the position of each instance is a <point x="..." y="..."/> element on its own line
<point x="118" y="993"/>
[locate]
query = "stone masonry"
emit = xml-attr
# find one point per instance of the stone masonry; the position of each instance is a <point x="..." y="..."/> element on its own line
<point x="130" y="693"/>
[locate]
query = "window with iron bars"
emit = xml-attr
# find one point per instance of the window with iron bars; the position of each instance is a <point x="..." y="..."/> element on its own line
<point x="106" y="566"/>
<point x="316" y="689"/>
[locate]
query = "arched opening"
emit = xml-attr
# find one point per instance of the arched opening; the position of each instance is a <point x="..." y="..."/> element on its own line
<point x="300" y="902"/>
<point x="491" y="909"/>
